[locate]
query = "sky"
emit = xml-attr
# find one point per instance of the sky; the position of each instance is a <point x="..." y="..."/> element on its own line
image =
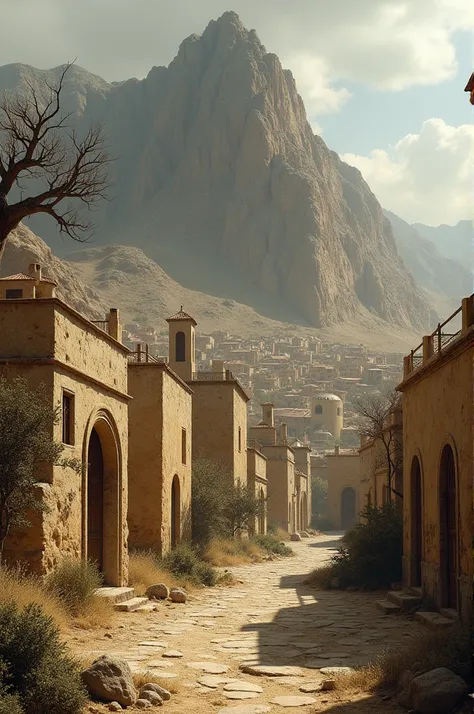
<point x="382" y="80"/>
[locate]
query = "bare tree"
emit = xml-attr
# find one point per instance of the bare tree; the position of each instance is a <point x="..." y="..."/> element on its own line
<point x="379" y="424"/>
<point x="37" y="143"/>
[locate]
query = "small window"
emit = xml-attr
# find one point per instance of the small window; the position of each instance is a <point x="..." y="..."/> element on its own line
<point x="240" y="439"/>
<point x="318" y="409"/>
<point x="183" y="446"/>
<point x="68" y="418"/>
<point x="13" y="294"/>
<point x="339" y="411"/>
<point x="180" y="347"/>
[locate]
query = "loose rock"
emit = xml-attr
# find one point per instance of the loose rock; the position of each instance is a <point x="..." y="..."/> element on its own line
<point x="143" y="704"/>
<point x="178" y="595"/>
<point x="295" y="537"/>
<point x="158" y="592"/>
<point x="263" y="670"/>
<point x="110" y="679"/>
<point x="173" y="654"/>
<point x="114" y="707"/>
<point x="152" y="687"/>
<point x="152" y="697"/>
<point x="437" y="691"/>
<point x="293" y="701"/>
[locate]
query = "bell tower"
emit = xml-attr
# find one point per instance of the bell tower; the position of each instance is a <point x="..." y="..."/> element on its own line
<point x="182" y="352"/>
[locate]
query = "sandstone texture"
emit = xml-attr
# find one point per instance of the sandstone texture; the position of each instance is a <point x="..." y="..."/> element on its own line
<point x="109" y="679"/>
<point x="158" y="592"/>
<point x="218" y="162"/>
<point x="436" y="692"/>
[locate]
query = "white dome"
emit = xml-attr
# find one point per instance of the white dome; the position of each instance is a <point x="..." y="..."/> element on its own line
<point x="327" y="397"/>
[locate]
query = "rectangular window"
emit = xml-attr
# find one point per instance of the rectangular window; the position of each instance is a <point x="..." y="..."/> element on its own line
<point x="240" y="439"/>
<point x="183" y="446"/>
<point x="13" y="294"/>
<point x="68" y="418"/>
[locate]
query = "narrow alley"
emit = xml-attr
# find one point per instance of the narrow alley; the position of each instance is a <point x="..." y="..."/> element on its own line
<point x="270" y="625"/>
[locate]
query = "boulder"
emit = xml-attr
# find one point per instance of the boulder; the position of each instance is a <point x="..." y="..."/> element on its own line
<point x="295" y="537"/>
<point x="158" y="592"/>
<point x="152" y="697"/>
<point x="151" y="687"/>
<point x="109" y="679"/>
<point x="436" y="692"/>
<point x="143" y="704"/>
<point x="178" y="595"/>
<point x="114" y="707"/>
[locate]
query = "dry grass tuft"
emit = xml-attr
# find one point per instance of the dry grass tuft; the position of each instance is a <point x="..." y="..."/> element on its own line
<point x="423" y="652"/>
<point x="24" y="589"/>
<point x="144" y="570"/>
<point x="320" y="578"/>
<point x="97" y="613"/>
<point x="223" y="552"/>
<point x="142" y="678"/>
<point x="281" y="534"/>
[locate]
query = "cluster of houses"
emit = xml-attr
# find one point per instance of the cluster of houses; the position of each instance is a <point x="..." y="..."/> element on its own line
<point x="137" y="424"/>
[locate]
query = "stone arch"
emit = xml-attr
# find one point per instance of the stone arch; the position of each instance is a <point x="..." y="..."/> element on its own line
<point x="348" y="507"/>
<point x="102" y="517"/>
<point x="448" y="520"/>
<point x="180" y="346"/>
<point x="416" y="521"/>
<point x="175" y="511"/>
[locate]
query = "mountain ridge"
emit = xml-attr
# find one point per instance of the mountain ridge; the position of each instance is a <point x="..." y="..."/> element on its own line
<point x="222" y="181"/>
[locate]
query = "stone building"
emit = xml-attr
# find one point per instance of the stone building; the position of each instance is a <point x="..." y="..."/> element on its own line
<point x="345" y="496"/>
<point x="289" y="488"/>
<point x="160" y="439"/>
<point x="438" y="421"/>
<point x="327" y="414"/>
<point x="219" y="403"/>
<point x="83" y="367"/>
<point x="257" y="483"/>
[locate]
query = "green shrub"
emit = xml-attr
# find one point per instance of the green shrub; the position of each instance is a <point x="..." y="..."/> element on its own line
<point x="205" y="574"/>
<point x="272" y="544"/>
<point x="75" y="582"/>
<point x="34" y="664"/>
<point x="10" y="704"/>
<point x="182" y="560"/>
<point x="372" y="552"/>
<point x="185" y="563"/>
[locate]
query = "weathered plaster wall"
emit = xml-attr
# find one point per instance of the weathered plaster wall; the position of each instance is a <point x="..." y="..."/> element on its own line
<point x="281" y="486"/>
<point x="438" y="410"/>
<point x="343" y="471"/>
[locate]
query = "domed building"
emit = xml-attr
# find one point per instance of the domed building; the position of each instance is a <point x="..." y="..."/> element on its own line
<point x="327" y="414"/>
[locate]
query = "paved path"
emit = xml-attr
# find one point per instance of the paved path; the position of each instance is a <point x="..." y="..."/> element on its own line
<point x="269" y="619"/>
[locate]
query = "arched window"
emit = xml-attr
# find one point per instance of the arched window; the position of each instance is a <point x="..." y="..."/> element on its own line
<point x="318" y="409"/>
<point x="180" y="347"/>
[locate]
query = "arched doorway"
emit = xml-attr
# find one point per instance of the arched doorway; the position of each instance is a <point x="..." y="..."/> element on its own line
<point x="102" y="507"/>
<point x="448" y="529"/>
<point x="416" y="523"/>
<point x="175" y="512"/>
<point x="348" y="508"/>
<point x="95" y="501"/>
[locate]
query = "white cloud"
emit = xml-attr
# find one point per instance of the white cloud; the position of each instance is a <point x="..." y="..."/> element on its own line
<point x="388" y="44"/>
<point x="426" y="177"/>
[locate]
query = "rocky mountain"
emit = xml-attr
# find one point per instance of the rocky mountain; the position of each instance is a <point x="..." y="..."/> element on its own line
<point x="24" y="247"/>
<point x="431" y="270"/>
<point x="220" y="179"/>
<point x="455" y="242"/>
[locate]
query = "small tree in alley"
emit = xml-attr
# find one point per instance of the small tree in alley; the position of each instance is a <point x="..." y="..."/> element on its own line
<point x="40" y="151"/>
<point x="26" y="443"/>
<point x="377" y="423"/>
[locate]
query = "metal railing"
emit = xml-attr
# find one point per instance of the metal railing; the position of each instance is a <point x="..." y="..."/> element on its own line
<point x="142" y="356"/>
<point x="440" y="338"/>
<point x="102" y="325"/>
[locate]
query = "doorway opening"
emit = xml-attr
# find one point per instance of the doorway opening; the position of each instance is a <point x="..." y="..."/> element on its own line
<point x="448" y="529"/>
<point x="348" y="508"/>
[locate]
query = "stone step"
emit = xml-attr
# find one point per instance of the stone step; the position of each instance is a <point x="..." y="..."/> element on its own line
<point x="449" y="613"/>
<point x="416" y="591"/>
<point x="131" y="605"/>
<point x="404" y="600"/>
<point x="115" y="595"/>
<point x="387" y="607"/>
<point x="433" y="620"/>
<point x="147" y="607"/>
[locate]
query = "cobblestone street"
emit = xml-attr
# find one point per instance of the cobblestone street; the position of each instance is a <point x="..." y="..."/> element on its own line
<point x="257" y="647"/>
